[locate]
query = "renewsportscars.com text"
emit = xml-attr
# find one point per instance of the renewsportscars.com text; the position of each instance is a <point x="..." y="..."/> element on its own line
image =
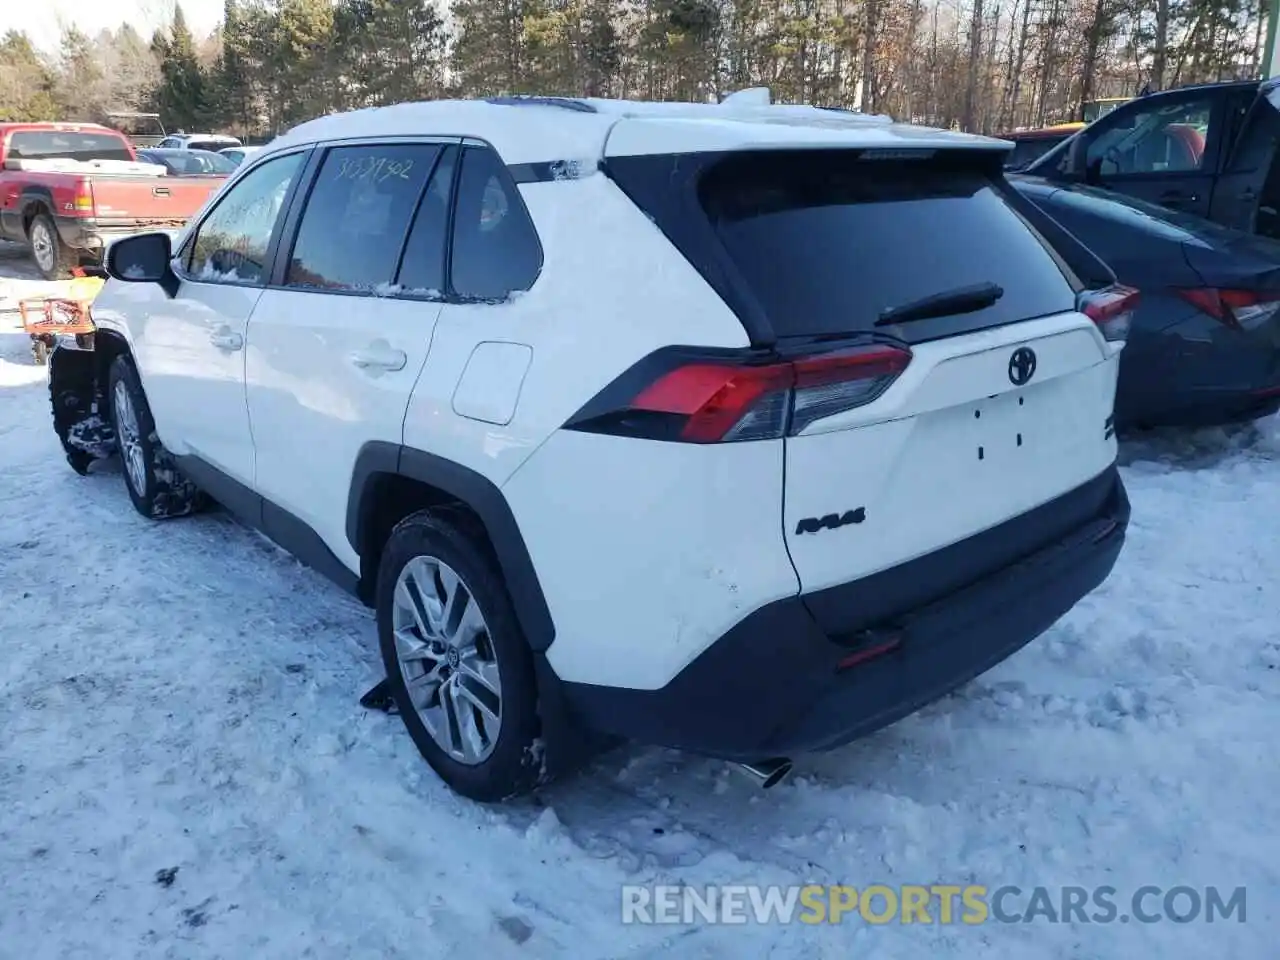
<point x="968" y="904"/>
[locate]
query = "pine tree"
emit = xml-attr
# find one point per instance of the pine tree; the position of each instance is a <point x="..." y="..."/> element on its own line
<point x="489" y="54"/>
<point x="306" y="61"/>
<point x="181" y="98"/>
<point x="235" y="89"/>
<point x="404" y="47"/>
<point x="81" y="84"/>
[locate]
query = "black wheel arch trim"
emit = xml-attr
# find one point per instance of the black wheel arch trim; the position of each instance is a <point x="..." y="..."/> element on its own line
<point x="479" y="494"/>
<point x="36" y="196"/>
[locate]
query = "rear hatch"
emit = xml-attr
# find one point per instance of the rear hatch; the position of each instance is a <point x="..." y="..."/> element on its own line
<point x="968" y="411"/>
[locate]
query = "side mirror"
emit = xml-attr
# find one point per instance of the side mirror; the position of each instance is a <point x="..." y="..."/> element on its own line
<point x="143" y="258"/>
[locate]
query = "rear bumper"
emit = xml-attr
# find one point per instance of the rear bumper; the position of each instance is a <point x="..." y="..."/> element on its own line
<point x="91" y="237"/>
<point x="772" y="686"/>
<point x="1197" y="374"/>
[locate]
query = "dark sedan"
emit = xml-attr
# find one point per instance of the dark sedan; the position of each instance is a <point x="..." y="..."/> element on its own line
<point x="189" y="163"/>
<point x="1204" y="347"/>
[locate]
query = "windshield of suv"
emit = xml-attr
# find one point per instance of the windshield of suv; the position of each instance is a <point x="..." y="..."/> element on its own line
<point x="827" y="243"/>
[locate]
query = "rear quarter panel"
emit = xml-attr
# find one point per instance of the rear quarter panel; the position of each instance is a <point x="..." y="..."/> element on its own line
<point x="646" y="551"/>
<point x="611" y="290"/>
<point x="20" y="190"/>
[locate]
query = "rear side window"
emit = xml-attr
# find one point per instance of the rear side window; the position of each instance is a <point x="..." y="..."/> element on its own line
<point x="826" y="243"/>
<point x="68" y="145"/>
<point x="495" y="246"/>
<point x="357" y="216"/>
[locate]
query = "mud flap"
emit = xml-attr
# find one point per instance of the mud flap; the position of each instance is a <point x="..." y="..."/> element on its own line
<point x="565" y="746"/>
<point x="379" y="698"/>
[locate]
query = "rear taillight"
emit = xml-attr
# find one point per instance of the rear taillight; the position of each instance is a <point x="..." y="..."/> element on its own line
<point x="1111" y="308"/>
<point x="1238" y="309"/>
<point x="717" y="400"/>
<point x="84" y="197"/>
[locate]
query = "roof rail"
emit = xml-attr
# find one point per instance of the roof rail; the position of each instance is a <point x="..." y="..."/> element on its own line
<point x="528" y="100"/>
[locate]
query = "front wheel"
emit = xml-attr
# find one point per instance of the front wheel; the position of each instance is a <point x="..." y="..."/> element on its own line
<point x="457" y="662"/>
<point x="156" y="487"/>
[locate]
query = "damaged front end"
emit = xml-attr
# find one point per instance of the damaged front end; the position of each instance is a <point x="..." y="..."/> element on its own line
<point x="77" y="394"/>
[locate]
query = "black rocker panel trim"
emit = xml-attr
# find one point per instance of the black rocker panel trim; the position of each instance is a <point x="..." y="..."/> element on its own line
<point x="278" y="524"/>
<point x="482" y="497"/>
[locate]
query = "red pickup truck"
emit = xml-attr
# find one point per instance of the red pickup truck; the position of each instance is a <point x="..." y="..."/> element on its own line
<point x="68" y="189"/>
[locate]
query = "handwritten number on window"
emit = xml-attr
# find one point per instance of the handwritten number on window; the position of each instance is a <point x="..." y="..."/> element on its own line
<point x="374" y="169"/>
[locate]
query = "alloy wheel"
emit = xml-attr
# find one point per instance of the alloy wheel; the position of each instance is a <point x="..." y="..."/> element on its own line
<point x="129" y="438"/>
<point x="42" y="248"/>
<point x="446" y="659"/>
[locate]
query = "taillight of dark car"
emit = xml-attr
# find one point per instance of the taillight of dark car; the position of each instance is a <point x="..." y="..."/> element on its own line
<point x="1238" y="309"/>
<point x="716" y="399"/>
<point x="1111" y="309"/>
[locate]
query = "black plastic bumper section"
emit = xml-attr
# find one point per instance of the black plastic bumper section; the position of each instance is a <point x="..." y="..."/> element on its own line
<point x="772" y="685"/>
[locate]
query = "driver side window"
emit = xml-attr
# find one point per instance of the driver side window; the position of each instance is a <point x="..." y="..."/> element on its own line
<point x="231" y="243"/>
<point x="1163" y="138"/>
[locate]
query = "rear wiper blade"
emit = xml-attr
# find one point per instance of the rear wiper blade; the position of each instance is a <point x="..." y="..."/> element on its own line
<point x="944" y="304"/>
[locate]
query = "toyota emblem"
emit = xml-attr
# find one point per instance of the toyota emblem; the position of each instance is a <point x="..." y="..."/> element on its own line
<point x="1022" y="366"/>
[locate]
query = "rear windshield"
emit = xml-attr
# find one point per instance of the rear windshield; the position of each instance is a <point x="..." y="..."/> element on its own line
<point x="67" y="144"/>
<point x="200" y="162"/>
<point x="214" y="145"/>
<point x="826" y="243"/>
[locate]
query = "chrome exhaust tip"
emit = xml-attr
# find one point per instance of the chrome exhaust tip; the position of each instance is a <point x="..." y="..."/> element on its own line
<point x="769" y="773"/>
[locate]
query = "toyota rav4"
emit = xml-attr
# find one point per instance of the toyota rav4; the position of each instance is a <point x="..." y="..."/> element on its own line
<point x="744" y="429"/>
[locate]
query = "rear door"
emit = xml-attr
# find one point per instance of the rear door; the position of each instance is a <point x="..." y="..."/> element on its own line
<point x="336" y="344"/>
<point x="1165" y="150"/>
<point x="1000" y="409"/>
<point x="1247" y="194"/>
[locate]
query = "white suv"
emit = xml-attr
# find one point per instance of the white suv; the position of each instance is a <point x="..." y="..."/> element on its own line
<point x="743" y="429"/>
<point x="198" y="141"/>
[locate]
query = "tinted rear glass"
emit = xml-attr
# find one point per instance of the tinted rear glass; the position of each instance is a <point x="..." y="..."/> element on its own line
<point x="67" y="144"/>
<point x="826" y="242"/>
<point x="208" y="144"/>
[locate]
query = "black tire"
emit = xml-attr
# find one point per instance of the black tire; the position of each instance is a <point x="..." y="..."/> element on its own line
<point x="80" y="418"/>
<point x="515" y="766"/>
<point x="54" y="259"/>
<point x="164" y="491"/>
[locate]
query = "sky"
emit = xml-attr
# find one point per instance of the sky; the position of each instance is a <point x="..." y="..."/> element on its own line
<point x="42" y="19"/>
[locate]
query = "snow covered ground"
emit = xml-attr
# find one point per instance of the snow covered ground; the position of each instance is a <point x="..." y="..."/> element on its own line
<point x="185" y="771"/>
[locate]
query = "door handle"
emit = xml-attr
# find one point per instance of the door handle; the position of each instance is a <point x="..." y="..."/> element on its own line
<point x="379" y="357"/>
<point x="1177" y="196"/>
<point x="226" y="340"/>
